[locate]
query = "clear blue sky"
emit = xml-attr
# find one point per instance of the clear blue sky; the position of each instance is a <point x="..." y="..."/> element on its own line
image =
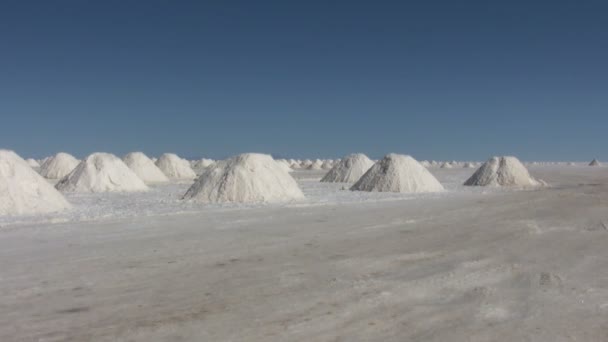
<point x="434" y="79"/>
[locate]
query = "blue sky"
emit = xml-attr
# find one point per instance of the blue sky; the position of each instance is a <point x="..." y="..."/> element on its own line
<point x="434" y="79"/>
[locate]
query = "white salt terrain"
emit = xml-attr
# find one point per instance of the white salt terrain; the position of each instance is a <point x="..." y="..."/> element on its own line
<point x="465" y="264"/>
<point x="101" y="172"/>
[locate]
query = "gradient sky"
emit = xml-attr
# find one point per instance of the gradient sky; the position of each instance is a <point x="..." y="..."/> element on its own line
<point x="435" y="79"/>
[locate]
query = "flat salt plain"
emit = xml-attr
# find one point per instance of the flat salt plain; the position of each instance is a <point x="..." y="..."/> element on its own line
<point x="469" y="264"/>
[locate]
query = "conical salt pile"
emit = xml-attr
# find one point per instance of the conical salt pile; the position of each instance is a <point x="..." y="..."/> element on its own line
<point x="398" y="173"/>
<point x="101" y="172"/>
<point x="246" y="178"/>
<point x="502" y="171"/>
<point x="349" y="169"/>
<point x="32" y="163"/>
<point x="23" y="190"/>
<point x="595" y="162"/>
<point x="58" y="166"/>
<point x="144" y="168"/>
<point x="175" y="167"/>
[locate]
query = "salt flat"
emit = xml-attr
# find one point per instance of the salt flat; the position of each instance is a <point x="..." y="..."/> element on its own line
<point x="470" y="264"/>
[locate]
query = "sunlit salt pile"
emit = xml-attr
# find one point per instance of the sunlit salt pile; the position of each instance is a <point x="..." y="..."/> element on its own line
<point x="58" y="166"/>
<point x="23" y="190"/>
<point x="32" y="163"/>
<point x="316" y="165"/>
<point x="502" y="171"/>
<point x="398" y="173"/>
<point x="468" y="165"/>
<point x="595" y="162"/>
<point x="246" y="178"/>
<point x="175" y="167"/>
<point x="101" y="172"/>
<point x="144" y="168"/>
<point x="349" y="169"/>
<point x="200" y="165"/>
<point x="446" y="165"/>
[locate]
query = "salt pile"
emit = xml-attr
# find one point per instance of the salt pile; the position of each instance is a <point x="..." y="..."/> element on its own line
<point x="446" y="165"/>
<point x="246" y="178"/>
<point x="23" y="190"/>
<point x="144" y="168"/>
<point x="200" y="165"/>
<point x="468" y="165"/>
<point x="316" y="165"/>
<point x="101" y="172"/>
<point x="175" y="167"/>
<point x="32" y="163"/>
<point x="502" y="171"/>
<point x="327" y="165"/>
<point x="58" y="166"/>
<point x="349" y="169"/>
<point x="595" y="162"/>
<point x="398" y="173"/>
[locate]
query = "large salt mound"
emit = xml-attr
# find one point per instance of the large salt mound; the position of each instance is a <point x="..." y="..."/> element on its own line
<point x="246" y="178"/>
<point x="58" y="166"/>
<point x="175" y="167"/>
<point x="101" y="172"/>
<point x="398" y="173"/>
<point x="349" y="169"/>
<point x="23" y="191"/>
<point x="595" y="162"/>
<point x="502" y="171"/>
<point x="144" y="168"/>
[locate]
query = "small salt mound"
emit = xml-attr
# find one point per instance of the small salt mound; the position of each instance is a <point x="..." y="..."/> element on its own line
<point x="316" y="165"/>
<point x="327" y="165"/>
<point x="246" y="178"/>
<point x="58" y="166"/>
<point x="349" y="169"/>
<point x="398" y="173"/>
<point x="101" y="172"/>
<point x="200" y="165"/>
<point x="595" y="162"/>
<point x="306" y="163"/>
<point x="24" y="191"/>
<point x="502" y="171"/>
<point x="446" y="165"/>
<point x="469" y="165"/>
<point x="144" y="168"/>
<point x="175" y="167"/>
<point x="32" y="163"/>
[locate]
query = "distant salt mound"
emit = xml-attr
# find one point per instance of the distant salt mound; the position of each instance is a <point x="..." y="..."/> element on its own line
<point x="328" y="164"/>
<point x="58" y="166"/>
<point x="349" y="169"/>
<point x="175" y="167"/>
<point x="199" y="166"/>
<point x="446" y="165"/>
<point x="144" y="168"/>
<point x="469" y="165"/>
<point x="502" y="171"/>
<point x="246" y="178"/>
<point x="101" y="172"/>
<point x="398" y="173"/>
<point x="316" y="165"/>
<point x="595" y="162"/>
<point x="23" y="191"/>
<point x="32" y="163"/>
